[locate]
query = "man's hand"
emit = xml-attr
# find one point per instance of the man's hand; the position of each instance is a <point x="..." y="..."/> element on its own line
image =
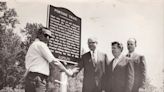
<point x="69" y="72"/>
<point x="75" y="70"/>
<point x="142" y="90"/>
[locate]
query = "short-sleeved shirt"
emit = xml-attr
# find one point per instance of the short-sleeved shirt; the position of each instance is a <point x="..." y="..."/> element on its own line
<point x="38" y="58"/>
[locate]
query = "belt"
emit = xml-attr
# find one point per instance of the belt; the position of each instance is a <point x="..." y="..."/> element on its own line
<point x="35" y="74"/>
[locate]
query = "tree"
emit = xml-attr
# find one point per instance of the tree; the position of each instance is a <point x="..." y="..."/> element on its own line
<point x="30" y="33"/>
<point x="149" y="87"/>
<point x="11" y="63"/>
<point x="162" y="88"/>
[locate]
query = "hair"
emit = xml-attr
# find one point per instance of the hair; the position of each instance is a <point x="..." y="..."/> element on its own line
<point x="135" y="41"/>
<point x="93" y="39"/>
<point x="119" y="45"/>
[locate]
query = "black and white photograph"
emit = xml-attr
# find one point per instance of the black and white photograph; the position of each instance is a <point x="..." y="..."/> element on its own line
<point x="81" y="45"/>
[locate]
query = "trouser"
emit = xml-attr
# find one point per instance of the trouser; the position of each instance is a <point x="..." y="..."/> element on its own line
<point x="53" y="87"/>
<point x="35" y="82"/>
<point x="135" y="90"/>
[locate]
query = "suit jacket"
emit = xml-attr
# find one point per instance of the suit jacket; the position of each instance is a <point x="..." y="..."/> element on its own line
<point x="140" y="71"/>
<point x="120" y="79"/>
<point x="92" y="73"/>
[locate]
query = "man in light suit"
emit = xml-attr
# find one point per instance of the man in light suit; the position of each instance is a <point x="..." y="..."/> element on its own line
<point x="139" y="65"/>
<point x="93" y="63"/>
<point x="119" y="76"/>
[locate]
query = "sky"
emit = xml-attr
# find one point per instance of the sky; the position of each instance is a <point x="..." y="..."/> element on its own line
<point x="110" y="20"/>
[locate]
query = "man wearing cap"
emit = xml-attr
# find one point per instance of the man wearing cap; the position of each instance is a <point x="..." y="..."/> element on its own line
<point x="93" y="63"/>
<point x="119" y="76"/>
<point x="139" y="65"/>
<point x="37" y="62"/>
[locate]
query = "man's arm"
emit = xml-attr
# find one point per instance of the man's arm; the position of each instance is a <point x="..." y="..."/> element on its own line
<point x="47" y="55"/>
<point x="61" y="66"/>
<point x="130" y="76"/>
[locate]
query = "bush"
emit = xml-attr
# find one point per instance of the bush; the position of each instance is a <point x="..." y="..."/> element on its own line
<point x="75" y="84"/>
<point x="9" y="89"/>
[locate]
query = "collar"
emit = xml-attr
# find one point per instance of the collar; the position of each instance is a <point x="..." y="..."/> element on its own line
<point x="92" y="51"/>
<point x="118" y="58"/>
<point x="37" y="39"/>
<point x="131" y="54"/>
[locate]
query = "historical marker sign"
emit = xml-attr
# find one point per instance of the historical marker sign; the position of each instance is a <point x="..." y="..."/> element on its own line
<point x="66" y="33"/>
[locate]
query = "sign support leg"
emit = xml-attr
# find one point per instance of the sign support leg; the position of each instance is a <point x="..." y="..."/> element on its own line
<point x="64" y="81"/>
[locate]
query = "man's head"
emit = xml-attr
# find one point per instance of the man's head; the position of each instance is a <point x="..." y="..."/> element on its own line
<point x="92" y="43"/>
<point x="44" y="34"/>
<point x="131" y="45"/>
<point x="117" y="48"/>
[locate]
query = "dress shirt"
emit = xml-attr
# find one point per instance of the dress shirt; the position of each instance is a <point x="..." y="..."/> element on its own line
<point x="116" y="61"/>
<point x="94" y="55"/>
<point x="130" y="54"/>
<point x="38" y="58"/>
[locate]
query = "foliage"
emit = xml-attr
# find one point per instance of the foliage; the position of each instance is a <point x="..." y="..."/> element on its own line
<point x="12" y="49"/>
<point x="29" y="33"/>
<point x="8" y="18"/>
<point x="9" y="89"/>
<point x="11" y="60"/>
<point x="75" y="83"/>
<point x="149" y="87"/>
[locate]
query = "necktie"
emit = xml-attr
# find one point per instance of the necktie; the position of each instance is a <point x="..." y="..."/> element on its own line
<point x="93" y="58"/>
<point x="96" y="68"/>
<point x="115" y="63"/>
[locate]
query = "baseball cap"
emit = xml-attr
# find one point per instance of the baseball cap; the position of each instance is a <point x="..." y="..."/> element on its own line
<point x="46" y="31"/>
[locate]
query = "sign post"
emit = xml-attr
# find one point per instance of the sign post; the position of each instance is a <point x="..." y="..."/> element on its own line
<point x="65" y="43"/>
<point x="64" y="80"/>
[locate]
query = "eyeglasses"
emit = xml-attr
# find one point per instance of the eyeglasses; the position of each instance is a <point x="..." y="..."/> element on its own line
<point x="92" y="42"/>
<point x="46" y="35"/>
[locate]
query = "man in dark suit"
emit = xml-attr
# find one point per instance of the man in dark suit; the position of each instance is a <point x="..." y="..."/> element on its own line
<point x="119" y="76"/>
<point x="139" y="66"/>
<point x="93" y="63"/>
